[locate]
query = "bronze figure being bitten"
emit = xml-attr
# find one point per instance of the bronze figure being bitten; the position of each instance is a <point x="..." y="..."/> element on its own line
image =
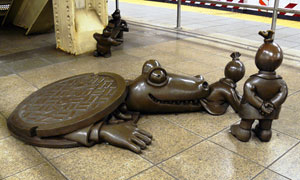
<point x="264" y="93"/>
<point x="156" y="91"/>
<point x="223" y="92"/>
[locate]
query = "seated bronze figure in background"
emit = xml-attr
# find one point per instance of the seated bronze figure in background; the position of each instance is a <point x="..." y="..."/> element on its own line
<point x="112" y="35"/>
<point x="118" y="26"/>
<point x="104" y="43"/>
<point x="264" y="93"/>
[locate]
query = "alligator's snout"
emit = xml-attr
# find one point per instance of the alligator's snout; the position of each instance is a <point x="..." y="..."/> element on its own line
<point x="156" y="91"/>
<point x="176" y="93"/>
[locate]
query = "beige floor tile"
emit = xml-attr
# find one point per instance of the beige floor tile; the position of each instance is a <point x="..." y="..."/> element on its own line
<point x="51" y="153"/>
<point x="100" y="162"/>
<point x="3" y="128"/>
<point x="41" y="172"/>
<point x="288" y="122"/>
<point x="27" y="64"/>
<point x="168" y="139"/>
<point x="82" y="65"/>
<point x="46" y="75"/>
<point x="214" y="76"/>
<point x="118" y="56"/>
<point x="214" y="60"/>
<point x="260" y="152"/>
<point x="15" y="156"/>
<point x="290" y="75"/>
<point x="153" y="173"/>
<point x="13" y="90"/>
<point x="293" y="101"/>
<point x="204" y="124"/>
<point x="225" y="48"/>
<point x="168" y="47"/>
<point x="164" y="58"/>
<point x="198" y="45"/>
<point x="289" y="164"/>
<point x="141" y="51"/>
<point x="192" y="68"/>
<point x="269" y="175"/>
<point x="210" y="161"/>
<point x="125" y="67"/>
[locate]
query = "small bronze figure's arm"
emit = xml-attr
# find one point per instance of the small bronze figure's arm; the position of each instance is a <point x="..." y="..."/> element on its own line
<point x="280" y="96"/>
<point x="252" y="98"/>
<point x="113" y="42"/>
<point x="234" y="100"/>
<point x="124" y="26"/>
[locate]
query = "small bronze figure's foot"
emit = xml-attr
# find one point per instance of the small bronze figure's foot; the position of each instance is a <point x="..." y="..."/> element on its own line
<point x="240" y="133"/>
<point x="107" y="55"/>
<point x="120" y="40"/>
<point x="263" y="135"/>
<point x="96" y="53"/>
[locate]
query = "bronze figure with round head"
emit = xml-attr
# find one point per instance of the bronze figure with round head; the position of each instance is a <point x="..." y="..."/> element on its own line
<point x="269" y="55"/>
<point x="117" y="14"/>
<point x="264" y="93"/>
<point x="235" y="69"/>
<point x="223" y="92"/>
<point x="104" y="43"/>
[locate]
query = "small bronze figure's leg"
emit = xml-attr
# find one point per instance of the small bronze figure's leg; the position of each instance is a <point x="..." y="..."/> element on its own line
<point x="263" y="130"/>
<point x="120" y="36"/>
<point x="108" y="54"/>
<point x="96" y="53"/>
<point x="242" y="131"/>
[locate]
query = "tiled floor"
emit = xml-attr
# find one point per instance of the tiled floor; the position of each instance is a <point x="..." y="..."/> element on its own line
<point x="185" y="146"/>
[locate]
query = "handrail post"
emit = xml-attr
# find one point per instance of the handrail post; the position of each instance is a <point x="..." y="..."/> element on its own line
<point x="275" y="14"/>
<point x="117" y="4"/>
<point x="178" y="14"/>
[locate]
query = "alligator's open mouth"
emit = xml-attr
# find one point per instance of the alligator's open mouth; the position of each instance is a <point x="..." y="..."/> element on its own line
<point x="194" y="102"/>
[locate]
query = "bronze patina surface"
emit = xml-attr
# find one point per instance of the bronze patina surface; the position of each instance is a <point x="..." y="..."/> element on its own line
<point x="118" y="26"/>
<point x="223" y="92"/>
<point x="156" y="91"/>
<point x="69" y="104"/>
<point x="264" y="93"/>
<point x="104" y="43"/>
<point x="80" y="110"/>
<point x="112" y="35"/>
<point x="53" y="142"/>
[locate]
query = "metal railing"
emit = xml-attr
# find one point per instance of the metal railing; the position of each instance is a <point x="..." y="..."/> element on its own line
<point x="275" y="10"/>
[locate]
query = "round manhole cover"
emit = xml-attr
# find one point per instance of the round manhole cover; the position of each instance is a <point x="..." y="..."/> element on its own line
<point x="69" y="104"/>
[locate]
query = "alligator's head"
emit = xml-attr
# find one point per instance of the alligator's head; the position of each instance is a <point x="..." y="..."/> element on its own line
<point x="156" y="91"/>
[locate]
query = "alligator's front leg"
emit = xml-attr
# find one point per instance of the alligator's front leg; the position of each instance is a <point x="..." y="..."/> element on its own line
<point x="121" y="114"/>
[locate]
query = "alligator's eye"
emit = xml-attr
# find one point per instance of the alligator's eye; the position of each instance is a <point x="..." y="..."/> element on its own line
<point x="157" y="77"/>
